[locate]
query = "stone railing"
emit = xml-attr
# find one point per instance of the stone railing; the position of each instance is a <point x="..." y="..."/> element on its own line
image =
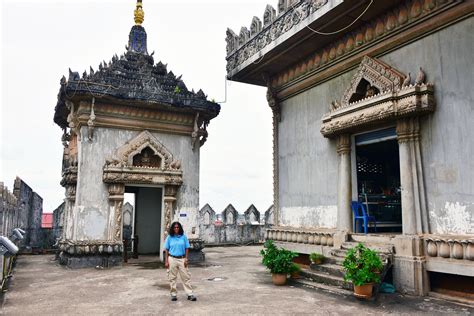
<point x="449" y="247"/>
<point x="323" y="238"/>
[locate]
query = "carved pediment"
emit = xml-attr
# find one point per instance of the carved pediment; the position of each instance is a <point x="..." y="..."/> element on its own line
<point x="377" y="94"/>
<point x="144" y="159"/>
<point x="372" y="77"/>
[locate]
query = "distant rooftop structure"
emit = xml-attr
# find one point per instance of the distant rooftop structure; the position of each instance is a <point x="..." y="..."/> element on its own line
<point x="47" y="220"/>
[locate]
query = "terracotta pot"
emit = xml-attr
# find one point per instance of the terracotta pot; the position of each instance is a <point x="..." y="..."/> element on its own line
<point x="278" y="279"/>
<point x="295" y="275"/>
<point x="363" y="291"/>
<point x="317" y="261"/>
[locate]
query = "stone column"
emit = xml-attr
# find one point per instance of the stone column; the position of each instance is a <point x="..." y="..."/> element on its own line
<point x="116" y="194"/>
<point x="70" y="201"/>
<point x="344" y="214"/>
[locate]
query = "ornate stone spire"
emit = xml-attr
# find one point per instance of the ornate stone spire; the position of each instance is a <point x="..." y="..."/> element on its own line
<point x="138" y="13"/>
<point x="137" y="37"/>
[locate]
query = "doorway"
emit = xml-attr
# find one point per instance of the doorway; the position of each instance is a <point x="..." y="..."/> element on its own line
<point x="147" y="218"/>
<point x="378" y="178"/>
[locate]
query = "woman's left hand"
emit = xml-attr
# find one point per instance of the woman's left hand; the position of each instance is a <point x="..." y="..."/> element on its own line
<point x="185" y="263"/>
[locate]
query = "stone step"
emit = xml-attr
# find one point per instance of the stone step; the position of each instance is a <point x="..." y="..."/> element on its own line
<point x="328" y="268"/>
<point x="341" y="253"/>
<point x="372" y="238"/>
<point x="334" y="260"/>
<point x="380" y="248"/>
<point x="325" y="278"/>
<point x="303" y="282"/>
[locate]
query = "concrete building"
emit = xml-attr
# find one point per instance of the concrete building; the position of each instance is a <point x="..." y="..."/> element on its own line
<point x="131" y="126"/>
<point x="372" y="103"/>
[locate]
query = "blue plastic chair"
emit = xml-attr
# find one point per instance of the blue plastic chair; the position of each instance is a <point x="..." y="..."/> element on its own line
<point x="360" y="214"/>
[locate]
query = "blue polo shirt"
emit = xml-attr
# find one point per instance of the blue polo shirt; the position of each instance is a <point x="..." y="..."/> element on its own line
<point x="177" y="245"/>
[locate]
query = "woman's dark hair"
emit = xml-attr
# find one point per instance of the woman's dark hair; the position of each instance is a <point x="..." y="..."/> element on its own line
<point x="181" y="230"/>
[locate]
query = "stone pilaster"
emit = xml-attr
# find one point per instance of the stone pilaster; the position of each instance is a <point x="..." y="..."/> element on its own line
<point x="169" y="200"/>
<point x="414" y="210"/>
<point x="344" y="215"/>
<point x="116" y="194"/>
<point x="276" y="112"/>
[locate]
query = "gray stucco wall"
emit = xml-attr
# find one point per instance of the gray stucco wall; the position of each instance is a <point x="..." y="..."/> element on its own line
<point x="447" y="136"/>
<point x="92" y="208"/>
<point x="309" y="163"/>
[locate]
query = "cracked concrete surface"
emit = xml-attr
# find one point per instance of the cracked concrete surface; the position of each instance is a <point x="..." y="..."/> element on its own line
<point x="241" y="286"/>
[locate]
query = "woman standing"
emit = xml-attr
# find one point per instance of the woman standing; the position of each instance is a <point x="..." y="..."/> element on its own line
<point x="176" y="260"/>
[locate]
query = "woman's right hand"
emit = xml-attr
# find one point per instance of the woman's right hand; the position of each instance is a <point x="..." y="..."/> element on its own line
<point x="167" y="264"/>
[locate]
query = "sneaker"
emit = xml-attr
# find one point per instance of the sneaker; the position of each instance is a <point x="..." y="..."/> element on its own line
<point x="174" y="298"/>
<point x="192" y="298"/>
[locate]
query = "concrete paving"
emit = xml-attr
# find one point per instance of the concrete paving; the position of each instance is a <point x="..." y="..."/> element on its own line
<point x="232" y="281"/>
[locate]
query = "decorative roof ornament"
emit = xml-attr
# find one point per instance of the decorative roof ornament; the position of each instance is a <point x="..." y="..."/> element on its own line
<point x="139" y="14"/>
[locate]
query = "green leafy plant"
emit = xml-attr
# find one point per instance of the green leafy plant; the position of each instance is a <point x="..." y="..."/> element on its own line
<point x="295" y="268"/>
<point x="362" y="265"/>
<point x="277" y="260"/>
<point x="316" y="257"/>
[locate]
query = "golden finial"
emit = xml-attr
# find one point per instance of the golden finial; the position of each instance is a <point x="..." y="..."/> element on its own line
<point x="139" y="14"/>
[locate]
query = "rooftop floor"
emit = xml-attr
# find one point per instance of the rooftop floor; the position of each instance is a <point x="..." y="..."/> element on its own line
<point x="241" y="286"/>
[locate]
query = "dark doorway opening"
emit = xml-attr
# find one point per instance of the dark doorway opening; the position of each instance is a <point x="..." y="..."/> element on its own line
<point x="147" y="219"/>
<point x="378" y="178"/>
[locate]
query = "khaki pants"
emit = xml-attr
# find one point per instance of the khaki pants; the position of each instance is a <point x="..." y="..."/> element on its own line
<point x="177" y="266"/>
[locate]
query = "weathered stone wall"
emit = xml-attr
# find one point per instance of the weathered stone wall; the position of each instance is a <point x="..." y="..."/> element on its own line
<point x="92" y="204"/>
<point x="58" y="221"/>
<point x="22" y="209"/>
<point x="308" y="162"/>
<point x="230" y="227"/>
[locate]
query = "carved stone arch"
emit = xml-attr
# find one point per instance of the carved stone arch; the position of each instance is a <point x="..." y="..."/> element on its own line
<point x="255" y="26"/>
<point x="127" y="152"/>
<point x="375" y="73"/>
<point x="252" y="214"/>
<point x="244" y="35"/>
<point x="269" y="15"/>
<point x="207" y="214"/>
<point x="230" y="215"/>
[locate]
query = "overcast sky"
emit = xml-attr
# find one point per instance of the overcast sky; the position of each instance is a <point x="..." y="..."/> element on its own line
<point x="40" y="40"/>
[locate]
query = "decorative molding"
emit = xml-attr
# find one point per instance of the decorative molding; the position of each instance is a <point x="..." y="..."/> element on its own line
<point x="344" y="144"/>
<point x="136" y="118"/>
<point x="248" y="43"/>
<point x="390" y="24"/>
<point x="91" y="247"/>
<point x="391" y="102"/>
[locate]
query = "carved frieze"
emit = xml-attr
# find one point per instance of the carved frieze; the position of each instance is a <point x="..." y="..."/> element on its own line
<point x="391" y="101"/>
<point x="402" y="17"/>
<point x="91" y="247"/>
<point x="249" y="43"/>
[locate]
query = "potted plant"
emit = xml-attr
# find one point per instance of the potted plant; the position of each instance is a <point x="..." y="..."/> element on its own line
<point x="295" y="271"/>
<point x="316" y="258"/>
<point x="362" y="267"/>
<point x="278" y="260"/>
